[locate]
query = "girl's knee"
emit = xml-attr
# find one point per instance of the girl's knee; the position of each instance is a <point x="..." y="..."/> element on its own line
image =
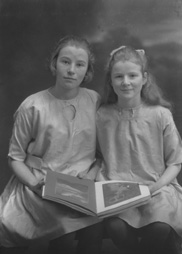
<point x="111" y="222"/>
<point x="115" y="224"/>
<point x="121" y="232"/>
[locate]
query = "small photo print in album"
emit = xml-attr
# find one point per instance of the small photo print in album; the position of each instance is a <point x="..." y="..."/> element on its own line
<point x="73" y="190"/>
<point x="117" y="192"/>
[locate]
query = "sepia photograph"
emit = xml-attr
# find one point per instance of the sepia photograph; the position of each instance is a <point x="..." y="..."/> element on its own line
<point x="91" y="89"/>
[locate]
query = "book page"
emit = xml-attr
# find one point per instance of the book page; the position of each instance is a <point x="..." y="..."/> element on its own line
<point x="114" y="193"/>
<point x="60" y="187"/>
<point x="77" y="191"/>
<point x="119" y="194"/>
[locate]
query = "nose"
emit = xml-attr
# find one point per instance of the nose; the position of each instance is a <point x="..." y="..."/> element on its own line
<point x="71" y="69"/>
<point x="126" y="80"/>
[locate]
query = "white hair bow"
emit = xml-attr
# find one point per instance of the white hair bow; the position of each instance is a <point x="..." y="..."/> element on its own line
<point x="142" y="51"/>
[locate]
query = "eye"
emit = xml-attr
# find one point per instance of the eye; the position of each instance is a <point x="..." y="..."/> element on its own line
<point x="64" y="61"/>
<point x="133" y="75"/>
<point x="119" y="76"/>
<point x="80" y="64"/>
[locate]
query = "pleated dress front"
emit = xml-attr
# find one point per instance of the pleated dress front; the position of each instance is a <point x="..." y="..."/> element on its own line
<point x="42" y="130"/>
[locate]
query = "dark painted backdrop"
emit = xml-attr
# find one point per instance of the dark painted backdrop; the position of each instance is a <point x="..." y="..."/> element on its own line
<point x="29" y="30"/>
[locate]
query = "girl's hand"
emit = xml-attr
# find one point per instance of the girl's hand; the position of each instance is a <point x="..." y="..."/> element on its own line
<point x="153" y="187"/>
<point x="26" y="177"/>
<point x="37" y="187"/>
<point x="91" y="174"/>
<point x="93" y="171"/>
<point x="166" y="178"/>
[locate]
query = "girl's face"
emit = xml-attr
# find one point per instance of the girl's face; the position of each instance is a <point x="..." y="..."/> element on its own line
<point x="71" y="67"/>
<point x="127" y="81"/>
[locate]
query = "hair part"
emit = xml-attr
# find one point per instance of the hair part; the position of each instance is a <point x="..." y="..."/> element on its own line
<point x="151" y="94"/>
<point x="78" y="42"/>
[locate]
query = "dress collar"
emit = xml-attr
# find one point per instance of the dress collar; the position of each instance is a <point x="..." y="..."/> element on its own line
<point x="128" y="112"/>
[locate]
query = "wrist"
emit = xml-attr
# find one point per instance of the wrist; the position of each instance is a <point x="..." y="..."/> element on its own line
<point x="154" y="187"/>
<point x="32" y="183"/>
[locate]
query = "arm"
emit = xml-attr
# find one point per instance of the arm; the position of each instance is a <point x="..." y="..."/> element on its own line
<point x="25" y="176"/>
<point x="22" y="135"/>
<point x="167" y="177"/>
<point x="172" y="151"/>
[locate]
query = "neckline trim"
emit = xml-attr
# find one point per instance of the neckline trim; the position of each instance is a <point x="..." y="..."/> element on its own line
<point x="128" y="112"/>
<point x="64" y="100"/>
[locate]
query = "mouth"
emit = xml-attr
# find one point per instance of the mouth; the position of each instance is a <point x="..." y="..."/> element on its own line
<point x="68" y="78"/>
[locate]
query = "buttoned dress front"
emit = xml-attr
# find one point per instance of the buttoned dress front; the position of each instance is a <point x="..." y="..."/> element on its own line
<point x="42" y="129"/>
<point x="138" y="145"/>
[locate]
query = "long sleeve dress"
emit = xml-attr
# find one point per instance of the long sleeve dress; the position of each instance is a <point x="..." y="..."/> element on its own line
<point x="45" y="139"/>
<point x="138" y="144"/>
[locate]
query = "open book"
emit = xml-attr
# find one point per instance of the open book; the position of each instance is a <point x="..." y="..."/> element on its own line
<point x="101" y="199"/>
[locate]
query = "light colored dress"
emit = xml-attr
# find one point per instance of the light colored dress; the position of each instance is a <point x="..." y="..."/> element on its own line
<point x="137" y="145"/>
<point x="42" y="130"/>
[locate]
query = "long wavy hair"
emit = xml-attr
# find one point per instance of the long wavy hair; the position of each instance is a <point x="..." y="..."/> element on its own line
<point x="151" y="94"/>
<point x="79" y="42"/>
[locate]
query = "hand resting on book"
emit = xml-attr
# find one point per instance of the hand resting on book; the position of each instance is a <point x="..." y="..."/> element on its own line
<point x="92" y="173"/>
